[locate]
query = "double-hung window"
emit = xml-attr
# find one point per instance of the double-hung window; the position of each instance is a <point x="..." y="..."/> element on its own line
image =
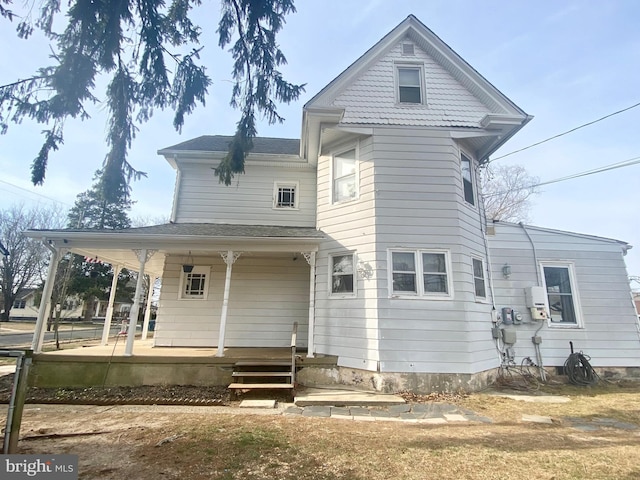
<point x="467" y="178"/>
<point x="195" y="284"/>
<point x="345" y="181"/>
<point x="342" y="275"/>
<point x="285" y="195"/>
<point x="20" y="304"/>
<point x="562" y="298"/>
<point x="404" y="272"/>
<point x="478" y="279"/>
<point x="410" y="84"/>
<point x="420" y="273"/>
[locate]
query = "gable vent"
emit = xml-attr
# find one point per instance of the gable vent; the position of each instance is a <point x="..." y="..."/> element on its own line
<point x="407" y="49"/>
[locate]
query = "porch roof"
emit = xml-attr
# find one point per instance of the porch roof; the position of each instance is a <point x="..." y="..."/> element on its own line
<point x="117" y="246"/>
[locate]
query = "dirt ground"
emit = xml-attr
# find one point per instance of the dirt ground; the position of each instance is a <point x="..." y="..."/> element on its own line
<point x="224" y="442"/>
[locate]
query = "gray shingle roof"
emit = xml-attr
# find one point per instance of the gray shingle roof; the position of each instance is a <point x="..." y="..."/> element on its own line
<point x="220" y="143"/>
<point x="212" y="230"/>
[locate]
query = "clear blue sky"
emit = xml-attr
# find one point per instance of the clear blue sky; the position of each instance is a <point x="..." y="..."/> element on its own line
<point x="565" y="62"/>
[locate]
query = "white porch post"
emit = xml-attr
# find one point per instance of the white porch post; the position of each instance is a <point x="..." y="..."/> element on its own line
<point x="112" y="298"/>
<point x="147" y="312"/>
<point x="143" y="256"/>
<point x="311" y="260"/>
<point x="45" y="302"/>
<point x="229" y="258"/>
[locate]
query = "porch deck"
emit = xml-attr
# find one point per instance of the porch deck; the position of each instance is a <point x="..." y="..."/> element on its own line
<point x="107" y="365"/>
<point x="145" y="350"/>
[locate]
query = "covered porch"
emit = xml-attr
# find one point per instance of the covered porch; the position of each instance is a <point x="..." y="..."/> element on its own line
<point x="222" y="285"/>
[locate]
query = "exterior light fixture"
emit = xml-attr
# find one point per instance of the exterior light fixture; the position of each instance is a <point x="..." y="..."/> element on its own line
<point x="188" y="267"/>
<point x="506" y="270"/>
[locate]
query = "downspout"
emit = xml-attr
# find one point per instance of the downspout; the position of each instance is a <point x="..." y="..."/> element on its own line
<point x="494" y="318"/>
<point x="536" y="345"/>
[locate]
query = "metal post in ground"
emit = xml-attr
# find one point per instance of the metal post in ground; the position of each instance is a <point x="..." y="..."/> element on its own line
<point x="18" y="397"/>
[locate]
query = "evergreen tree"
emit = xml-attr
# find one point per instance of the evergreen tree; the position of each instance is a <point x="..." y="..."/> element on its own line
<point x="94" y="210"/>
<point x="140" y="45"/>
<point x="85" y="278"/>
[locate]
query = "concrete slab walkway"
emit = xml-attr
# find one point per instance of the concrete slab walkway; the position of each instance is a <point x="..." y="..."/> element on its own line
<point x="339" y="398"/>
<point x="431" y="413"/>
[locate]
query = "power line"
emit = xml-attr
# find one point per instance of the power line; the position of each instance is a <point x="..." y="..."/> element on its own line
<point x="605" y="168"/>
<point x="34" y="193"/>
<point x="565" y="133"/>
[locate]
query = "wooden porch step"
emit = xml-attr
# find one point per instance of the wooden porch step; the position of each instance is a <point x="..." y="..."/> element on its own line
<point x="266" y="363"/>
<point x="264" y="386"/>
<point x="261" y="374"/>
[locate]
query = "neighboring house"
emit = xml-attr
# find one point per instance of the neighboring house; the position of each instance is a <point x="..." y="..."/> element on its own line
<point x="26" y="305"/>
<point x="369" y="232"/>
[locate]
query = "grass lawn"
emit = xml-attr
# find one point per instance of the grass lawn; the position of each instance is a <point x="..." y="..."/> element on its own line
<point x="235" y="445"/>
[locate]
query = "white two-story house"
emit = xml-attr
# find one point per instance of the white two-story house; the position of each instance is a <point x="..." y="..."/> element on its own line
<point x="369" y="232"/>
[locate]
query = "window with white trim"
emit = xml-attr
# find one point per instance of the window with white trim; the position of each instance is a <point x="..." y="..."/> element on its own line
<point x="467" y="179"/>
<point x="403" y="268"/>
<point x="344" y="173"/>
<point x="478" y="279"/>
<point x="285" y="195"/>
<point x="410" y="84"/>
<point x="342" y="274"/>
<point x="562" y="298"/>
<point x="420" y="273"/>
<point x="195" y="284"/>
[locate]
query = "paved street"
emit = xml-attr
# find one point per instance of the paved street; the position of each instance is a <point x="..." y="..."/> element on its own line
<point x="13" y="337"/>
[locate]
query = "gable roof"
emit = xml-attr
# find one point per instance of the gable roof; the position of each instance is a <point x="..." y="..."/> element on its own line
<point x="503" y="120"/>
<point x="220" y="143"/>
<point x="436" y="48"/>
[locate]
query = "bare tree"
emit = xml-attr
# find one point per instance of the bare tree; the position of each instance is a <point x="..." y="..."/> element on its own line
<point x="146" y="221"/>
<point x="507" y="191"/>
<point x="25" y="265"/>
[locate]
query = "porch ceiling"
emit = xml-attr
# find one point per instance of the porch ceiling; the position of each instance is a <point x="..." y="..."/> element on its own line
<point x="118" y="246"/>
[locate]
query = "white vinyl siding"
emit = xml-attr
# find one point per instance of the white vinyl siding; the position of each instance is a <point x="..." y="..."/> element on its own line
<point x="420" y="206"/>
<point x="267" y="295"/>
<point x="250" y="198"/>
<point x="609" y="332"/>
<point x="346" y="326"/>
<point x="372" y="98"/>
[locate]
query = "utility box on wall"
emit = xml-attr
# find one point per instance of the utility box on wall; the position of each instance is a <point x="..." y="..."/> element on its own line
<point x="536" y="299"/>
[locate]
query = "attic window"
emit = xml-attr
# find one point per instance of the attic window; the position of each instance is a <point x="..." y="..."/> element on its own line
<point x="410" y="85"/>
<point x="407" y="50"/>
